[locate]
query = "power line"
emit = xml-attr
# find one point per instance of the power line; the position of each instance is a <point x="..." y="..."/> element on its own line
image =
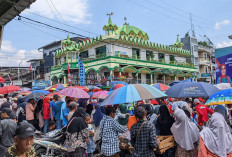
<point x="62" y="23"/>
<point x="155" y="11"/>
<point x="57" y="11"/>
<point x="79" y="35"/>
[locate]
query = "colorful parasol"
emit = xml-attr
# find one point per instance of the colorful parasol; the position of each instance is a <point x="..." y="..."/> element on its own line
<point x="118" y="86"/>
<point x="221" y="97"/>
<point x="117" y="82"/>
<point x="9" y="89"/>
<point x="83" y="88"/>
<point x="132" y="93"/>
<point x="100" y="95"/>
<point x="25" y="93"/>
<point x="161" y="86"/>
<point x="52" y="94"/>
<point x="74" y="92"/>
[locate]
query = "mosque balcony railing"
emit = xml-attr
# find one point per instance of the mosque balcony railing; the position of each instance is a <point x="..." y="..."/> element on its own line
<point x="126" y="57"/>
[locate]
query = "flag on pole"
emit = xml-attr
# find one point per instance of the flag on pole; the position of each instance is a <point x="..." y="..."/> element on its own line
<point x="30" y="68"/>
<point x="81" y="68"/>
<point x="69" y="76"/>
<point x="10" y="79"/>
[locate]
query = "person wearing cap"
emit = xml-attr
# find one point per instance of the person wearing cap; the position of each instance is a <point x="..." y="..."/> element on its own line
<point x="14" y="105"/>
<point x="23" y="142"/>
<point x="143" y="135"/>
<point x="202" y="112"/>
<point x="7" y="130"/>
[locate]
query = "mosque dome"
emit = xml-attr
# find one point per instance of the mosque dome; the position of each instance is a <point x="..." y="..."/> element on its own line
<point x="131" y="31"/>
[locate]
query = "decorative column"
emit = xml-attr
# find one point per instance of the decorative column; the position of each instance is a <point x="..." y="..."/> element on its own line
<point x="137" y="77"/>
<point x="65" y="79"/>
<point x="184" y="77"/>
<point x="111" y="74"/>
<point x="66" y="58"/>
<point x="175" y="77"/>
<point x="164" y="78"/>
<point x="151" y="78"/>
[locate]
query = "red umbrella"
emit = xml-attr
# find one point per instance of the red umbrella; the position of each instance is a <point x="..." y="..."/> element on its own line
<point x="96" y="90"/>
<point x="9" y="89"/>
<point x="118" y="86"/>
<point x="2" y="80"/>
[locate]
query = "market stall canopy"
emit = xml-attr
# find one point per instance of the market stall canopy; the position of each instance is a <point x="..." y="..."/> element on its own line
<point x="131" y="93"/>
<point x="191" y="89"/>
<point x="34" y="95"/>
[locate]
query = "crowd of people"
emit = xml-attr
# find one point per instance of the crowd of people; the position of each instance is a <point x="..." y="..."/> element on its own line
<point x="91" y="129"/>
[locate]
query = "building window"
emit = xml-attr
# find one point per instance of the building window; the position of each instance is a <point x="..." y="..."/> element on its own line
<point x="73" y="55"/>
<point x="65" y="59"/>
<point x="135" y="53"/>
<point x="172" y="59"/>
<point x="84" y="54"/>
<point x="205" y="56"/>
<point x="149" y="54"/>
<point x="206" y="69"/>
<point x="161" y="56"/>
<point x="100" y="51"/>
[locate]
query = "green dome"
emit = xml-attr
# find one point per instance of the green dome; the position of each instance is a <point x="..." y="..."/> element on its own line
<point x="127" y="30"/>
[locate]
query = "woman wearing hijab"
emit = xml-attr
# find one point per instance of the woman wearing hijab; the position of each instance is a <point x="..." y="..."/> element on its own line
<point x="77" y="134"/>
<point x="97" y="117"/>
<point x="165" y="121"/>
<point x="186" y="135"/>
<point x="216" y="138"/>
<point x="123" y="111"/>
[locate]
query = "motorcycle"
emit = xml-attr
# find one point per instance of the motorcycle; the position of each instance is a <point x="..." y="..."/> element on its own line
<point x="51" y="144"/>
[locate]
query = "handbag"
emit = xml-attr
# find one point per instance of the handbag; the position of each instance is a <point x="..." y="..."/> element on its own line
<point x="139" y="131"/>
<point x="99" y="142"/>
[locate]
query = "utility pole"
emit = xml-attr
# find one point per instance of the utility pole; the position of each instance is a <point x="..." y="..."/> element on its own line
<point x="192" y="27"/>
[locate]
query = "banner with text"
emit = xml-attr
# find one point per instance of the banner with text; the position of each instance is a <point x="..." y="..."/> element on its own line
<point x="81" y="68"/>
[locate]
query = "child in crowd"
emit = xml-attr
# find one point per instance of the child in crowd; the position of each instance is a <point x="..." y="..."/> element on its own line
<point x="90" y="145"/>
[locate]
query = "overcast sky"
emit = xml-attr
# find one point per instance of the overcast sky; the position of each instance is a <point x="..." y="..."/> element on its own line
<point x="161" y="19"/>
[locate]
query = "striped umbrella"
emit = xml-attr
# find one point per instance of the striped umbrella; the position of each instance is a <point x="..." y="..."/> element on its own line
<point x="100" y="95"/>
<point x="83" y="88"/>
<point x="132" y="93"/>
<point x="74" y="92"/>
<point x="221" y="97"/>
<point x="25" y="93"/>
<point x="161" y="86"/>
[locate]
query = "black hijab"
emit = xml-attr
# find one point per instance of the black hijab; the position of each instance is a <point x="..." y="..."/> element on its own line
<point x="89" y="109"/>
<point x="165" y="121"/>
<point x="77" y="122"/>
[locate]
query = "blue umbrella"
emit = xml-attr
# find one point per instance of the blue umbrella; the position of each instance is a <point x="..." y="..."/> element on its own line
<point x="91" y="94"/>
<point x="40" y="91"/>
<point x="117" y="82"/>
<point x="191" y="89"/>
<point x="132" y="93"/>
<point x="60" y="87"/>
<point x="173" y="83"/>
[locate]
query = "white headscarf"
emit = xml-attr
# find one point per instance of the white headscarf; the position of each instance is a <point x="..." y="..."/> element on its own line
<point x="217" y="136"/>
<point x="179" y="104"/>
<point x="184" y="131"/>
